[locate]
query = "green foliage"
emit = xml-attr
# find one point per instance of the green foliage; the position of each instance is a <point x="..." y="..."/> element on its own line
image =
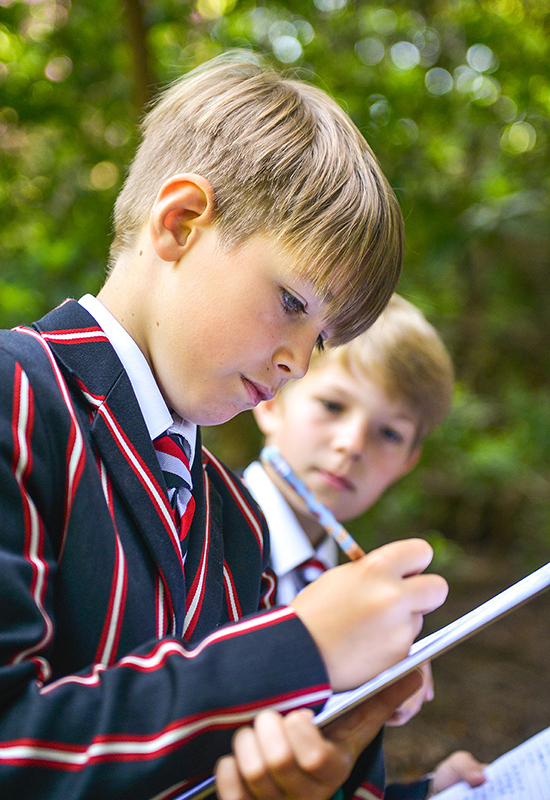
<point x="66" y="123"/>
<point x="454" y="98"/>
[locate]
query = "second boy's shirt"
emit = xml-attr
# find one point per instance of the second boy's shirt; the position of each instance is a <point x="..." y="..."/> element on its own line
<point x="290" y="547"/>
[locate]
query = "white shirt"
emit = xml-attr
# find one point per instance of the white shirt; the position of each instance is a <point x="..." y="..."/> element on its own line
<point x="155" y="412"/>
<point x="290" y="545"/>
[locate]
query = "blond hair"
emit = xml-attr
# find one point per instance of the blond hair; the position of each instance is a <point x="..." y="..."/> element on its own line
<point x="284" y="161"/>
<point x="404" y="354"/>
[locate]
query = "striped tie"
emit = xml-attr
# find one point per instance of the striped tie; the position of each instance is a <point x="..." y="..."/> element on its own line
<point x="172" y="451"/>
<point x="310" y="570"/>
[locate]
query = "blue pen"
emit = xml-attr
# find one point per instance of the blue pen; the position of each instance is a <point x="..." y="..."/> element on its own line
<point x="204" y="789"/>
<point x="272" y="456"/>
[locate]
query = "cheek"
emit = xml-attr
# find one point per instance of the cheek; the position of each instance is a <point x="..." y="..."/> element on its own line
<point x="296" y="441"/>
<point x="383" y="478"/>
<point x="304" y="435"/>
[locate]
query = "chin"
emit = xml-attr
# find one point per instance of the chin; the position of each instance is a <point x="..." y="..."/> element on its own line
<point x="342" y="514"/>
<point x="216" y="416"/>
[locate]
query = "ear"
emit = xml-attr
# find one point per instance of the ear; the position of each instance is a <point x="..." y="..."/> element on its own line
<point x="184" y="204"/>
<point x="268" y="416"/>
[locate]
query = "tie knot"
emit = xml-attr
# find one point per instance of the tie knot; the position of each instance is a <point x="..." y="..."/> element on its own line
<point x="310" y="570"/>
<point x="173" y="455"/>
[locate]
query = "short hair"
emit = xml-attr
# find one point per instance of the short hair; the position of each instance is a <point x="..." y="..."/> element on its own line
<point x="284" y="161"/>
<point x="403" y="354"/>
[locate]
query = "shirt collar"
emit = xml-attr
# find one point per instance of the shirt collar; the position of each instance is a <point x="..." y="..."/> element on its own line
<point x="155" y="412"/>
<point x="289" y="544"/>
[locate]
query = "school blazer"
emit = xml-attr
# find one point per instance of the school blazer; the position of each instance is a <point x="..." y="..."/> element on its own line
<point x="123" y="671"/>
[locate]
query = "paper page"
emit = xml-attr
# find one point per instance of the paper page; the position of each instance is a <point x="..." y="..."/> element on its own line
<point x="521" y="774"/>
<point x="436" y="643"/>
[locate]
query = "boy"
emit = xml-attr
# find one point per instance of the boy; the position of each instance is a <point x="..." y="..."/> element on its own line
<point x="351" y="428"/>
<point x="254" y="222"/>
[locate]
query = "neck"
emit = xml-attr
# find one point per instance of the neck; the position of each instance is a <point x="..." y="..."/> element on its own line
<point x="312" y="529"/>
<point x="122" y="294"/>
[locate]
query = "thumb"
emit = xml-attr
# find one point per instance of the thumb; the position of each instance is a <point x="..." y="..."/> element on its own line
<point x="358" y="727"/>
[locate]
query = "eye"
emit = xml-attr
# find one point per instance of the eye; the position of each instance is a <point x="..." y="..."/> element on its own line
<point x="391" y="435"/>
<point x="291" y="304"/>
<point x="331" y="406"/>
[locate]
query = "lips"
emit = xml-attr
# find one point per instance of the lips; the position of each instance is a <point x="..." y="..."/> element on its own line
<point x="339" y="482"/>
<point x="256" y="392"/>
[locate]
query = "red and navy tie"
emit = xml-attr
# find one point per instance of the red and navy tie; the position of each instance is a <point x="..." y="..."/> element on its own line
<point x="310" y="570"/>
<point x="173" y="455"/>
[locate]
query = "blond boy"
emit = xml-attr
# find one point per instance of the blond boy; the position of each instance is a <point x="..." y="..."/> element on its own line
<point x="254" y="223"/>
<point x="353" y="427"/>
<point x="350" y="429"/>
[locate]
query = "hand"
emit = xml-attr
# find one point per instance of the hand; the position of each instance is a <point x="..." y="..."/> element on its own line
<point x="460" y="766"/>
<point x="289" y="757"/>
<point x="365" y="615"/>
<point x="414" y="703"/>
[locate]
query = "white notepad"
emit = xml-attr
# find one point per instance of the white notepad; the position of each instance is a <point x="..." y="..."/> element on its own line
<point x="521" y="774"/>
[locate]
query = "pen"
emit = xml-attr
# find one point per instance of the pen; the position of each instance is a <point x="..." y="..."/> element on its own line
<point x="204" y="789"/>
<point x="272" y="456"/>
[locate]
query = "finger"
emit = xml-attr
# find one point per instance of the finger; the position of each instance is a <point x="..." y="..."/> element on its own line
<point x="404" y="558"/>
<point x="284" y="741"/>
<point x="253" y="768"/>
<point x="395" y="695"/>
<point x="460" y="766"/>
<point x="408" y="709"/>
<point x="318" y="757"/>
<point x="428" y="689"/>
<point x="428" y="686"/>
<point x="358" y="727"/>
<point x="425" y="593"/>
<point x="229" y="784"/>
<point x="401" y="716"/>
<point x="467" y="768"/>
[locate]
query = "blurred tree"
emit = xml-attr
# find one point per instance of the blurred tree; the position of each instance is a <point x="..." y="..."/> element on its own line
<point x="453" y="96"/>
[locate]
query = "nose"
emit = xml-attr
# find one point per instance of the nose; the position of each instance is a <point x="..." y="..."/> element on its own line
<point x="352" y="437"/>
<point x="292" y="359"/>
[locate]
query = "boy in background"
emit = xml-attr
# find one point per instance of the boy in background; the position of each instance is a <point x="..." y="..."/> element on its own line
<point x="350" y="429"/>
<point x="253" y="224"/>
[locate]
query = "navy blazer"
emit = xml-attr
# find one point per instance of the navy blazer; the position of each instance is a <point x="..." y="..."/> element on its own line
<point x="123" y="673"/>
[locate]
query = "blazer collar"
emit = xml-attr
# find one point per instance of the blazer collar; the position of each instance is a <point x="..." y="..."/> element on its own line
<point x="120" y="434"/>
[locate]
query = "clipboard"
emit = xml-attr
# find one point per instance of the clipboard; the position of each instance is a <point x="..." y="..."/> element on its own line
<point x="422" y="651"/>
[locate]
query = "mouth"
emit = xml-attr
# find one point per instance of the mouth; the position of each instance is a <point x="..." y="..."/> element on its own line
<point x="256" y="392"/>
<point x="339" y="482"/>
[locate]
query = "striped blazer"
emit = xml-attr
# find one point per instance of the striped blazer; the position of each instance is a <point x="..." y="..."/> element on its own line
<point x="123" y="673"/>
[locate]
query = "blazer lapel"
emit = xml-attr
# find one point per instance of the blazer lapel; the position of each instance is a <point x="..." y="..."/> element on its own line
<point x="204" y="563"/>
<point x="121" y="437"/>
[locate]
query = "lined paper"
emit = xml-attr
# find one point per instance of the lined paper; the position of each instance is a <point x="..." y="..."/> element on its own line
<point x="521" y="774"/>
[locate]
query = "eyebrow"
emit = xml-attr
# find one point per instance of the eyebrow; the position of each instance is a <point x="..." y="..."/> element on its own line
<point x="405" y="418"/>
